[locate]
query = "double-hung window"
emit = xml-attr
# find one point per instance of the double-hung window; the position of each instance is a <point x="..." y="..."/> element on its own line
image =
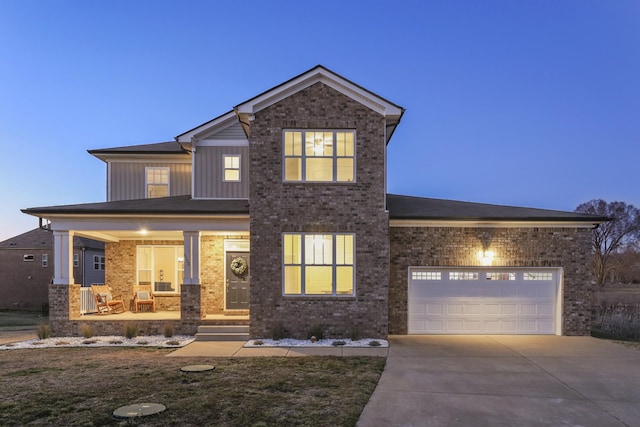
<point x="98" y="262"/>
<point x="319" y="156"/>
<point x="318" y="264"/>
<point x="157" y="182"/>
<point x="231" y="168"/>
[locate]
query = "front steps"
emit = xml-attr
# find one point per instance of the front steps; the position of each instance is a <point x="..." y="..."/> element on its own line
<point x="222" y="333"/>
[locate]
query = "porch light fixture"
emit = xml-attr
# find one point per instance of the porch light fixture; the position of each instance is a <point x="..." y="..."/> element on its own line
<point x="486" y="258"/>
<point x="143" y="231"/>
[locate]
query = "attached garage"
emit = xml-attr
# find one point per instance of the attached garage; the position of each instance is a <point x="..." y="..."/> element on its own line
<point x="484" y="300"/>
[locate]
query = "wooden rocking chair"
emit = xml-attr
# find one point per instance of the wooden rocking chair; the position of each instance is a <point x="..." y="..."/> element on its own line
<point x="144" y="296"/>
<point x="105" y="302"/>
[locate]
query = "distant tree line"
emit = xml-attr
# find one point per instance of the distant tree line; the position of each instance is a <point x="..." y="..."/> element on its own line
<point x="615" y="243"/>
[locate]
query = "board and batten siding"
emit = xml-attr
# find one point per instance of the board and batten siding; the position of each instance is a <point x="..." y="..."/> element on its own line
<point x="208" y="173"/>
<point x="127" y="179"/>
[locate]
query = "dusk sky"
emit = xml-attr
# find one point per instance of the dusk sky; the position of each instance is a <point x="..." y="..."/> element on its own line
<point x="524" y="103"/>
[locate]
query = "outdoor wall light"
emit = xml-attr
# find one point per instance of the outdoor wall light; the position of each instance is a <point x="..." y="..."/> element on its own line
<point x="143" y="231"/>
<point x="486" y="257"/>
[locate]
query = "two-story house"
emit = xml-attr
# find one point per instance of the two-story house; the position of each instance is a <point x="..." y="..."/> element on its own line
<point x="278" y="210"/>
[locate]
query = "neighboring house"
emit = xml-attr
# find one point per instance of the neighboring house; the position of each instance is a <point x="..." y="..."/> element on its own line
<point x="278" y="210"/>
<point x="26" y="263"/>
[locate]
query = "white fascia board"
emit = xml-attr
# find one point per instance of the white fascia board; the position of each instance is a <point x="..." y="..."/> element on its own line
<point x="490" y="224"/>
<point x="208" y="128"/>
<point x="349" y="89"/>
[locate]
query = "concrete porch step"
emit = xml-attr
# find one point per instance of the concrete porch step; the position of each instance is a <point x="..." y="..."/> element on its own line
<point x="222" y="333"/>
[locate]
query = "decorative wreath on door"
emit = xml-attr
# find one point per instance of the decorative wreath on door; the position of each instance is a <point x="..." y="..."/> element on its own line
<point x="239" y="266"/>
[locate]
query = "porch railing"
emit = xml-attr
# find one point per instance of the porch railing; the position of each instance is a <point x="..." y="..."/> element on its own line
<point x="87" y="301"/>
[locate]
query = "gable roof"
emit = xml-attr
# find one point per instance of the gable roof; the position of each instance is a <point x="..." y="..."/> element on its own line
<point x="392" y="112"/>
<point x="39" y="238"/>
<point x="421" y="208"/>
<point x="244" y="111"/>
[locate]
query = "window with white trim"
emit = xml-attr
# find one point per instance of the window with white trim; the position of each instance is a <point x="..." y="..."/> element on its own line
<point x="318" y="264"/>
<point x="45" y="260"/>
<point x="157" y="182"/>
<point x="231" y="168"/>
<point x="98" y="262"/>
<point x="161" y="266"/>
<point x="76" y="260"/>
<point x="319" y="156"/>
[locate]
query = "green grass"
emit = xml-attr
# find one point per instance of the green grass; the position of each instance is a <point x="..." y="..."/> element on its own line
<point x="79" y="386"/>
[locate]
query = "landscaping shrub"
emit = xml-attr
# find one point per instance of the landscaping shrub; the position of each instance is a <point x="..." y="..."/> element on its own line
<point x="278" y="332"/>
<point x="131" y="330"/>
<point x="619" y="321"/>
<point x="168" y="330"/>
<point x="44" y="331"/>
<point x="87" y="331"/>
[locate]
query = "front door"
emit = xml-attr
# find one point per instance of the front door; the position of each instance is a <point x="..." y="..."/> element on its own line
<point x="237" y="271"/>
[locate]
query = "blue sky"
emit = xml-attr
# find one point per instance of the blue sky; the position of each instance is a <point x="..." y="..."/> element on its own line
<point x="526" y="103"/>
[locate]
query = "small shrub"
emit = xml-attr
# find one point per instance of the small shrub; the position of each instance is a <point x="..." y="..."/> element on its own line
<point x="44" y="331"/>
<point x="278" y="332"/>
<point x="338" y="343"/>
<point x="37" y="343"/>
<point x="168" y="330"/>
<point x="115" y="342"/>
<point x="87" y="331"/>
<point x="258" y="342"/>
<point x="142" y="342"/>
<point x="62" y="342"/>
<point x="316" y="331"/>
<point x="131" y="330"/>
<point x="87" y="342"/>
<point x="356" y="333"/>
<point x="173" y="343"/>
<point x="374" y="343"/>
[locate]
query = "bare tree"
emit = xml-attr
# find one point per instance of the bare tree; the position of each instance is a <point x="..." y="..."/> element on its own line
<point x="609" y="238"/>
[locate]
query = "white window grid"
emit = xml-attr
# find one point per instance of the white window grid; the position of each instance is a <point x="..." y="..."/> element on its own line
<point x="463" y="275"/>
<point x="426" y="275"/>
<point x="231" y="168"/>
<point x="336" y="152"/>
<point x="501" y="276"/>
<point x="45" y="260"/>
<point x="538" y="275"/>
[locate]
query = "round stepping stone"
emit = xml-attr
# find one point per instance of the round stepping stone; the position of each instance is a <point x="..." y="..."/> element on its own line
<point x="197" y="368"/>
<point x="138" y="410"/>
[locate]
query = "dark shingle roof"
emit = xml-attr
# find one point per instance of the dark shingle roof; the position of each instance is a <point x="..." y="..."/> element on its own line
<point x="171" y="147"/>
<point x="39" y="238"/>
<point x="421" y="208"/>
<point x="158" y="206"/>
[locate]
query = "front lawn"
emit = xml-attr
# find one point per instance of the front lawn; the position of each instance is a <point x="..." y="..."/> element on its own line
<point x="78" y="386"/>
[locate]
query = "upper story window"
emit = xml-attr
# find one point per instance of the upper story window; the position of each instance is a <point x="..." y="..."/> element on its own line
<point x="45" y="260"/>
<point x="319" y="156"/>
<point x="76" y="260"/>
<point x="231" y="168"/>
<point x="157" y="182"/>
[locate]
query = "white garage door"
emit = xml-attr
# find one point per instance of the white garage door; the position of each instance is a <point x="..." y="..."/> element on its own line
<point x="483" y="300"/>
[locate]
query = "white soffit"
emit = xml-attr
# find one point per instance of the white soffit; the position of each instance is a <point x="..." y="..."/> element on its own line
<point x="490" y="224"/>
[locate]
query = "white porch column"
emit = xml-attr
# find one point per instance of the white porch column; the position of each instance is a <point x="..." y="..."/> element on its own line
<point x="63" y="257"/>
<point x="191" y="257"/>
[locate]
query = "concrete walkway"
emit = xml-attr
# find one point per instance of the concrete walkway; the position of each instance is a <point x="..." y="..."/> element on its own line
<point x="506" y="381"/>
<point x="235" y="349"/>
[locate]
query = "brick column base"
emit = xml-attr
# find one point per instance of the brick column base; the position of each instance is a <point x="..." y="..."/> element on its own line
<point x="190" y="309"/>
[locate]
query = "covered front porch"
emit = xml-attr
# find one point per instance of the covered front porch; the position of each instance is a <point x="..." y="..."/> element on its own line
<point x="196" y="264"/>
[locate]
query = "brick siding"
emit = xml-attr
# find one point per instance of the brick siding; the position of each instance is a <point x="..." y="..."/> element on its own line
<point x="277" y="207"/>
<point x="568" y="248"/>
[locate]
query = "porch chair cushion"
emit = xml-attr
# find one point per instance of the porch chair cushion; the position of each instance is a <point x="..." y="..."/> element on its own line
<point x="143" y="295"/>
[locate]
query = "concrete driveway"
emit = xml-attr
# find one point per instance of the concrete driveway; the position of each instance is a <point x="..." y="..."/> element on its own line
<point x="506" y="380"/>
